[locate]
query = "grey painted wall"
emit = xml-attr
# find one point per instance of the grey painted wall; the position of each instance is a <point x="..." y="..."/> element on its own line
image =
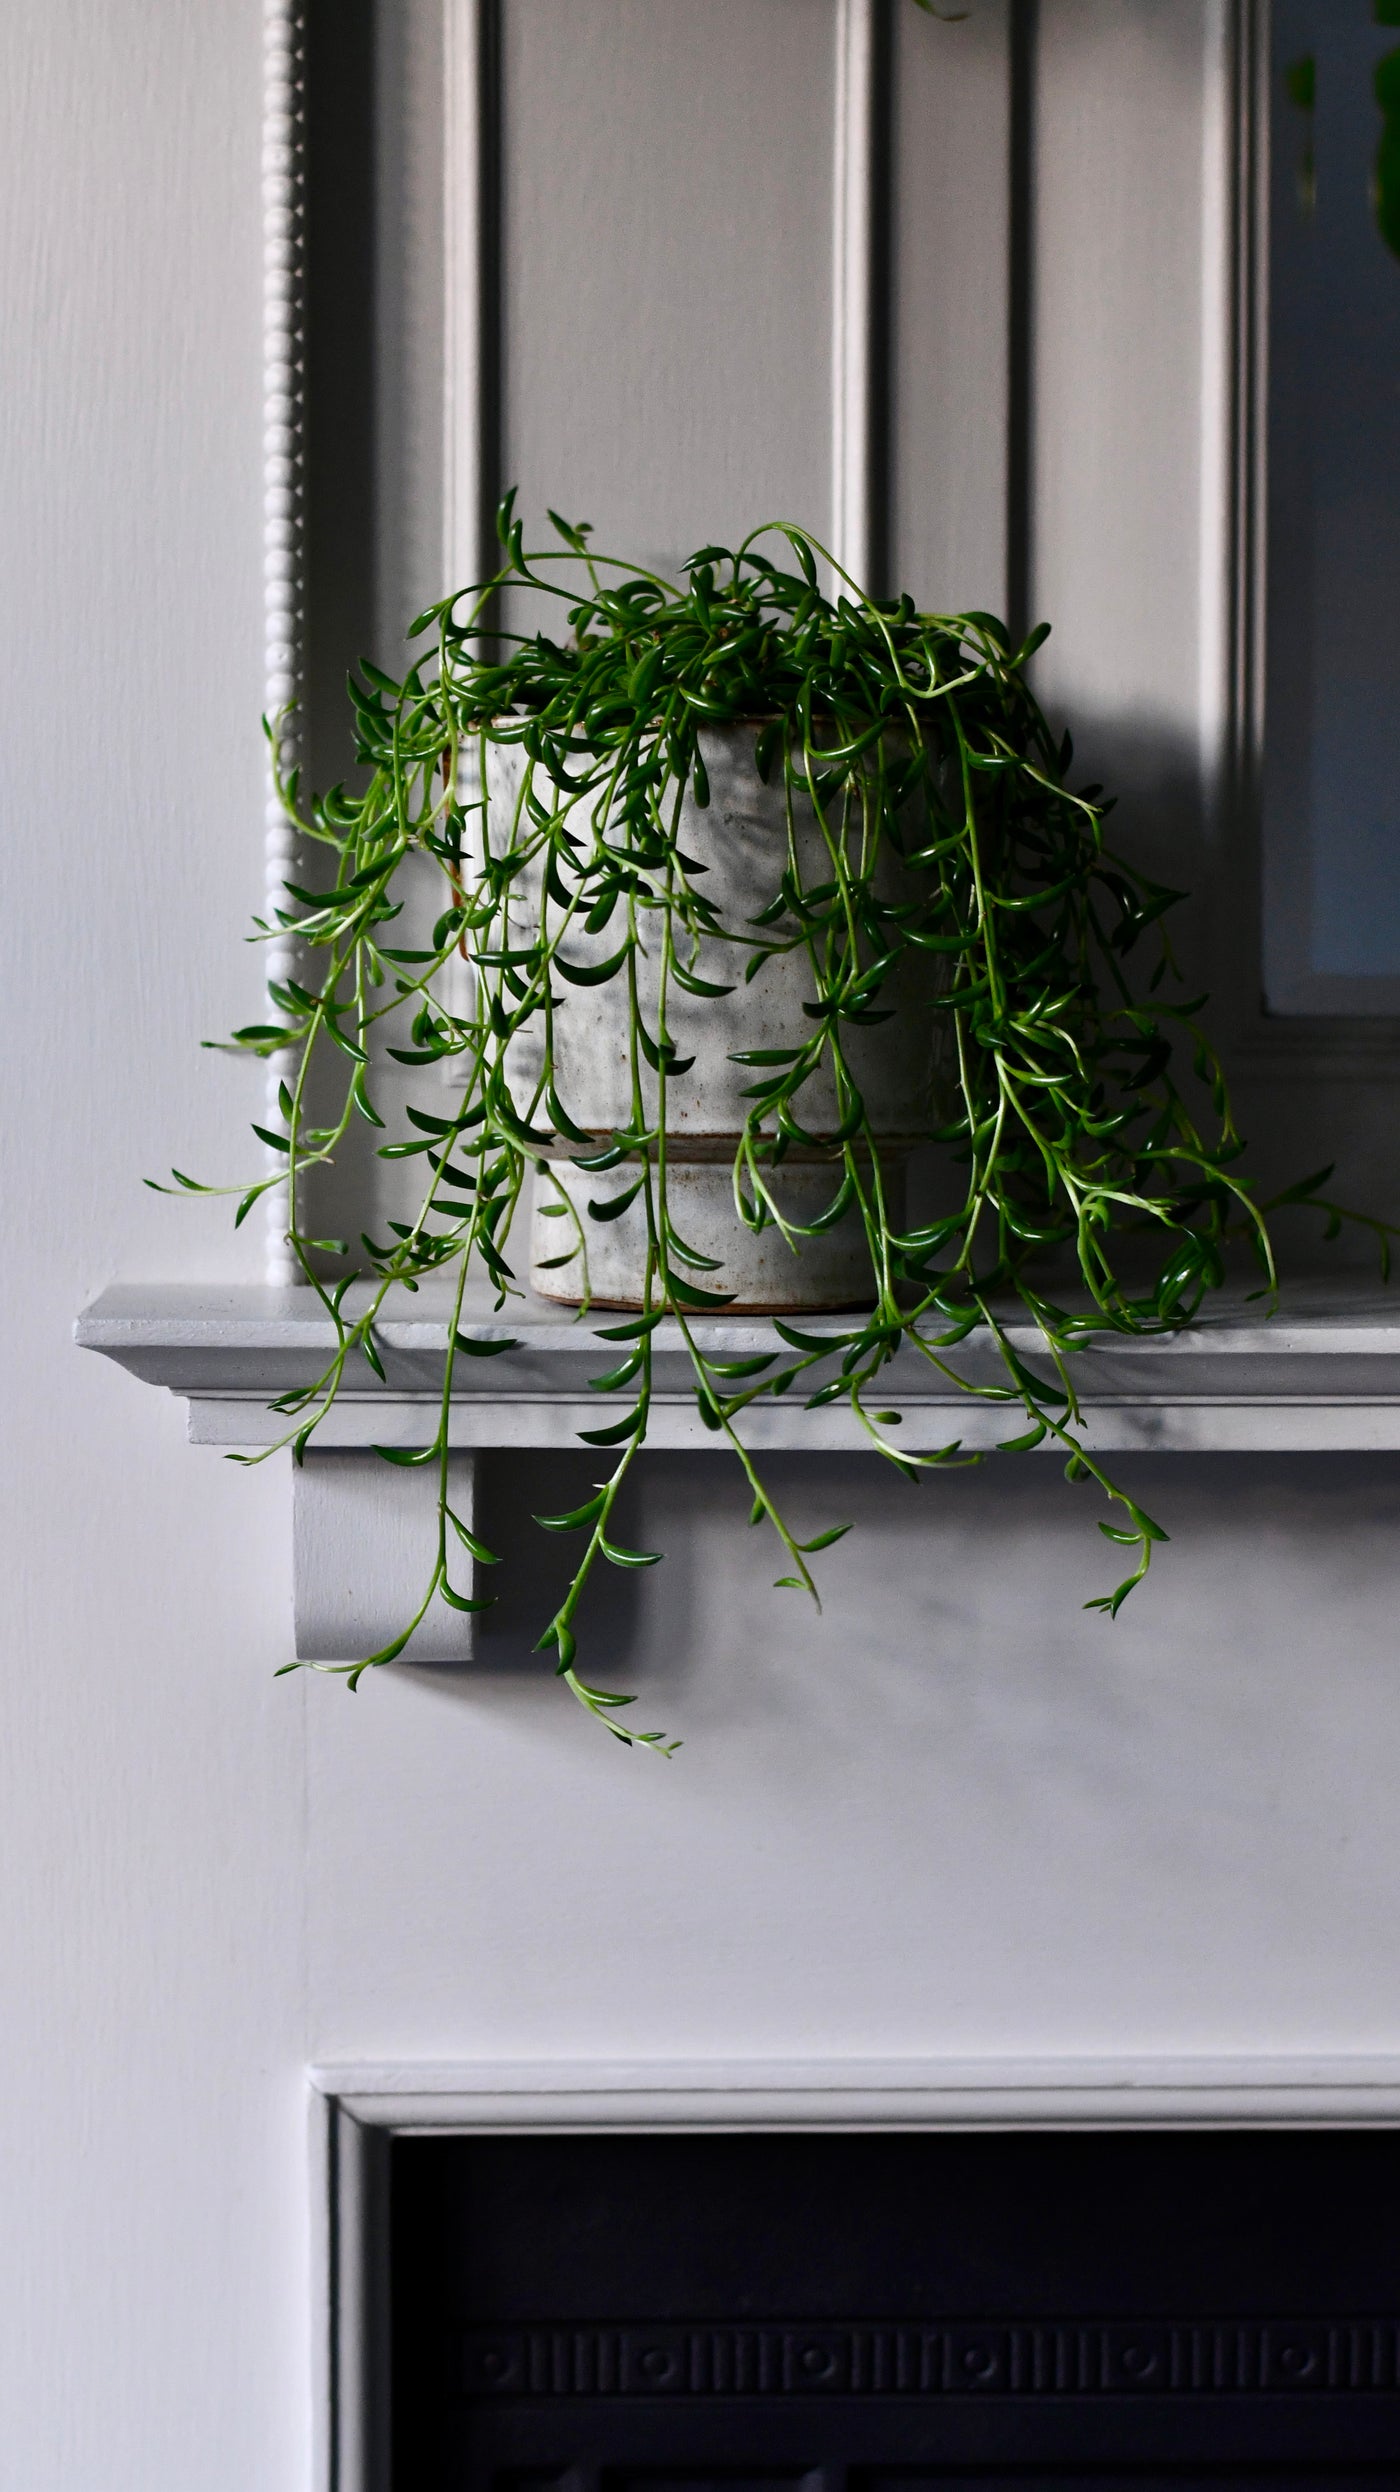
<point x="956" y="1814"/>
<point x="152" y="2260"/>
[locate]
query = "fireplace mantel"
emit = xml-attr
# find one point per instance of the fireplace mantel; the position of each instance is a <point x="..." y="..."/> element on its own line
<point x="1323" y="1376"/>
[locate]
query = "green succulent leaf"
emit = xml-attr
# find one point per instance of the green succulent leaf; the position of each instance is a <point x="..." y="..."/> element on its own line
<point x="629" y="1557"/>
<point x="619" y="1431"/>
<point x="582" y="1518"/>
<point x="591" y="973"/>
<point x="615" y="1204"/>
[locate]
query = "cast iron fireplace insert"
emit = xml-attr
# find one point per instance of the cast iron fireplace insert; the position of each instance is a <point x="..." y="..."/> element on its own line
<point x="906" y="2312"/>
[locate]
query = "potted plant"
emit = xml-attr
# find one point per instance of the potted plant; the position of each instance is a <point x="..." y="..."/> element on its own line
<point x="747" y="890"/>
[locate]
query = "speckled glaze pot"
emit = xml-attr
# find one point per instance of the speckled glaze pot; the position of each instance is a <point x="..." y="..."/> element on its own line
<point x="740" y="839"/>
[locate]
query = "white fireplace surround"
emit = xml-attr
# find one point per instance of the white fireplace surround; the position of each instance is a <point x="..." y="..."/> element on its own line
<point x="357" y="2109"/>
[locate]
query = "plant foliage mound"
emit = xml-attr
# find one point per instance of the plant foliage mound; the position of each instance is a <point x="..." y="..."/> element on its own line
<point x="1086" y="1121"/>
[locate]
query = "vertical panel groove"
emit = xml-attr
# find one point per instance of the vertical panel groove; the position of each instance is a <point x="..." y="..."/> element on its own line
<point x="1233" y="399"/>
<point x="472" y="224"/>
<point x="1251" y="332"/>
<point x="1233" y="535"/>
<point x="859" y="294"/>
<point x="1020" y="332"/>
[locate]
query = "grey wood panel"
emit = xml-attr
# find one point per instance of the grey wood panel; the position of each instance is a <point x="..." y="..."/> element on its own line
<point x="1127" y="514"/>
<point x="668" y="212"/>
<point x="949" y="310"/>
<point x="1117" y="489"/>
<point x="667" y="264"/>
<point x="1118" y="146"/>
<point x="409" y="204"/>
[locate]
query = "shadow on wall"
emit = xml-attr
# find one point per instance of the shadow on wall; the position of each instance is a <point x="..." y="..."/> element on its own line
<point x="952" y="1611"/>
<point x="537" y="1566"/>
<point x="1299" y="1115"/>
<point x="1158" y="822"/>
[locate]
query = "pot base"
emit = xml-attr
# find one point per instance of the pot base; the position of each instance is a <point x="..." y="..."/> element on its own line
<point x="757" y="1273"/>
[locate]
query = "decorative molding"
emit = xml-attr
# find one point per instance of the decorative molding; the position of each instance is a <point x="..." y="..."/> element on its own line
<point x="350" y="2371"/>
<point x="283" y="205"/>
<point x="472" y="395"/>
<point x="472" y="325"/>
<point x="323" y="2124"/>
<point x="954" y="2357"/>
<point x="1322" y="1376"/>
<point x="416" y="2098"/>
<point x="857" y="276"/>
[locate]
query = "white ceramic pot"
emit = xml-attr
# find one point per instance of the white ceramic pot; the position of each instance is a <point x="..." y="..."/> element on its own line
<point x="740" y="840"/>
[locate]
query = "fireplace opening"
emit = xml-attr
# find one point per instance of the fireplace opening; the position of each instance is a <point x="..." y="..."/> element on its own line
<point x="838" y="2312"/>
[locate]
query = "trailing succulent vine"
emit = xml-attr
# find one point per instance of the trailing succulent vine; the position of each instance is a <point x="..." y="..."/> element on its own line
<point x="1085" y="1113"/>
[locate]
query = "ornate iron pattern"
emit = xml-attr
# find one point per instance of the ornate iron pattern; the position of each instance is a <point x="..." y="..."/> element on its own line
<point x="879" y="2358"/>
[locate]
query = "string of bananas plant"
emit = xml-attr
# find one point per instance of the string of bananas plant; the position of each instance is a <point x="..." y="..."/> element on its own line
<point x="1084" y="1110"/>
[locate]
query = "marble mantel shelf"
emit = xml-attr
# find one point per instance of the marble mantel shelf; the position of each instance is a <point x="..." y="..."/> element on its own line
<point x="1322" y="1376"/>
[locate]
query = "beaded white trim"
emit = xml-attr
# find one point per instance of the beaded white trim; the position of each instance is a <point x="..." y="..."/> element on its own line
<point x="283" y="207"/>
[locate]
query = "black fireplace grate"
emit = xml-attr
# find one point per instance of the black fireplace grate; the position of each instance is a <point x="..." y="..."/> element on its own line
<point x="896" y="2313"/>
